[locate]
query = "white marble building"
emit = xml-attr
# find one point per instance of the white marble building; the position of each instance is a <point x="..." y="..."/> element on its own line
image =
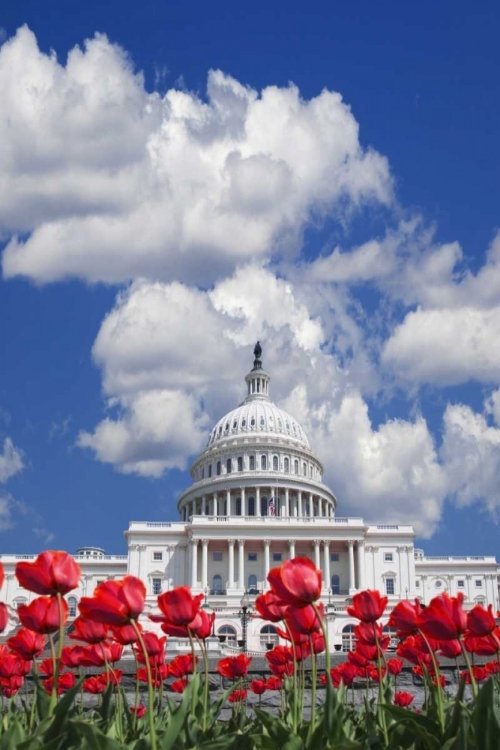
<point x="258" y="498"/>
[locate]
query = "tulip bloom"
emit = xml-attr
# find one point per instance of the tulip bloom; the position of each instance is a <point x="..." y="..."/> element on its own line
<point x="74" y="656"/>
<point x="178" y="686"/>
<point x="304" y="620"/>
<point x="95" y="685"/>
<point x="444" y="618"/>
<point x="258" y="687"/>
<point x="202" y="625"/>
<point x="234" y="666"/>
<point x="182" y="665"/>
<point x="115" y="602"/>
<point x="50" y="574"/>
<point x="178" y="607"/>
<point x="270" y="608"/>
<point x="4" y="616"/>
<point x="27" y="644"/>
<point x="9" y="686"/>
<point x="403" y="699"/>
<point x="237" y="696"/>
<point x="66" y="682"/>
<point x="139" y="710"/>
<point x="394" y="666"/>
<point x="274" y="683"/>
<point x="450" y="649"/>
<point x="155" y="649"/>
<point x="11" y="664"/>
<point x="296" y="582"/>
<point x="280" y="660"/>
<point x="404" y="617"/>
<point x="43" y="614"/>
<point x="486" y="646"/>
<point x="88" y="631"/>
<point x="480" y="621"/>
<point x="126" y="634"/>
<point x="367" y="606"/>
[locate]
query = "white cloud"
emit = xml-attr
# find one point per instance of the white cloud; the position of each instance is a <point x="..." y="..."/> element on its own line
<point x="11" y="460"/>
<point x="111" y="182"/>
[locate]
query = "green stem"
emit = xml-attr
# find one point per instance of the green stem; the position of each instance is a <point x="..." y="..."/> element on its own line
<point x="152" y="730"/>
<point x="193" y="694"/>
<point x="314" y="677"/>
<point x="381" y="688"/>
<point x="205" y="684"/>
<point x="295" y="718"/>
<point x="438" y="681"/>
<point x="136" y="689"/>
<point x="473" y="682"/>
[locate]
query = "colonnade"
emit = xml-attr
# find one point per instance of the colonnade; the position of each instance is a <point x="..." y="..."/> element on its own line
<point x="254" y="501"/>
<point x="239" y="582"/>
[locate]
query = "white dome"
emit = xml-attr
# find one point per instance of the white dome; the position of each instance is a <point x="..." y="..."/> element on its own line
<point x="258" y="416"/>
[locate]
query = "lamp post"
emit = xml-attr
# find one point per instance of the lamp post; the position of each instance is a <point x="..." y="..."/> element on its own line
<point x="244" y="616"/>
<point x="206" y="606"/>
<point x="330" y="611"/>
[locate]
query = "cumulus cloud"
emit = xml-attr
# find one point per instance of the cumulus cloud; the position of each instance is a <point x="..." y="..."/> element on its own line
<point x="11" y="460"/>
<point x="111" y="182"/>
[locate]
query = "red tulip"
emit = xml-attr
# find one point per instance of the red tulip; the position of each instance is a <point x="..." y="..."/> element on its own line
<point x="450" y="649"/>
<point x="444" y="618"/>
<point x="139" y="710"/>
<point x="178" y="686"/>
<point x="234" y="666"/>
<point x="10" y="686"/>
<point x="74" y="656"/>
<point x="179" y="606"/>
<point x="43" y="615"/>
<point x="493" y="667"/>
<point x="370" y="633"/>
<point x="367" y="606"/>
<point x="274" y="683"/>
<point x="126" y="634"/>
<point x="182" y="665"/>
<point x="411" y="649"/>
<point x="95" y="685"/>
<point x="11" y="664"/>
<point x="403" y="699"/>
<point x="27" y="644"/>
<point x="115" y="602"/>
<point x="280" y="660"/>
<point x="486" y="646"/>
<point x="366" y="652"/>
<point x="51" y="573"/>
<point x="2" y="575"/>
<point x="158" y="675"/>
<point x="258" y="687"/>
<point x="66" y="682"/>
<point x="347" y="672"/>
<point x="481" y="621"/>
<point x="296" y="582"/>
<point x="155" y="649"/>
<point x="270" y="608"/>
<point x="358" y="659"/>
<point x="394" y="666"/>
<point x="404" y="617"/>
<point x="88" y="631"/>
<point x="237" y="696"/>
<point x="46" y="667"/>
<point x="304" y="620"/>
<point x="202" y="624"/>
<point x="4" y="616"/>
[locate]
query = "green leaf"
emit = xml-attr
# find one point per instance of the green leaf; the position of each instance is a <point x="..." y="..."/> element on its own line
<point x="485" y="720"/>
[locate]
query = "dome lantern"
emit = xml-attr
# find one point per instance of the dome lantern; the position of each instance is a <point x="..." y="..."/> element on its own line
<point x="257" y="380"/>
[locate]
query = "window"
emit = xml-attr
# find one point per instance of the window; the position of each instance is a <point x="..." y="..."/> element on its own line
<point x="217" y="584"/>
<point x="72" y="606"/>
<point x="235" y="424"/>
<point x="286" y="464"/>
<point x="252" y="584"/>
<point x="335" y="584"/>
<point x="268" y="635"/>
<point x="238" y="506"/>
<point x="461" y="584"/>
<point x="217" y="556"/>
<point x="227" y="634"/>
<point x="277" y="556"/>
<point x="304" y="469"/>
<point x="417" y="584"/>
<point x="218" y="468"/>
<point x="334" y="557"/>
<point x="263" y="506"/>
<point x="388" y="556"/>
<point x="275" y="463"/>
<point x="203" y="473"/>
<point x="252" y="557"/>
<point x="229" y="466"/>
<point x="348" y="638"/>
<point x="156" y="586"/>
<point x="296" y="467"/>
<point x="251" y="506"/>
<point x="240" y="463"/>
<point x="157" y="555"/>
<point x="478" y="583"/>
<point x="389" y="586"/>
<point x="263" y="463"/>
<point x="209" y="471"/>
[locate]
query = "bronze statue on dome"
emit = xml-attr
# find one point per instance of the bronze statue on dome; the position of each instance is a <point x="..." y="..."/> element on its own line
<point x="257" y="352"/>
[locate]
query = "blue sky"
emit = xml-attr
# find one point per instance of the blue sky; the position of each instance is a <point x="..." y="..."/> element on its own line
<point x="154" y="226"/>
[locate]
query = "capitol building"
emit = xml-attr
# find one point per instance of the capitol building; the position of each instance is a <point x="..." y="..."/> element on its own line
<point x="257" y="498"/>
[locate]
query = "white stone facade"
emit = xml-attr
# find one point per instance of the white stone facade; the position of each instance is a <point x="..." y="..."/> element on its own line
<point x="257" y="499"/>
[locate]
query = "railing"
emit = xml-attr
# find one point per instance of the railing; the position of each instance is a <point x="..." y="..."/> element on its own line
<point x="278" y="519"/>
<point x="457" y="558"/>
<point x="80" y="558"/>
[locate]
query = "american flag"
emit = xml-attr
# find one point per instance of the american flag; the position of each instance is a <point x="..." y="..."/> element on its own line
<point x="272" y="507"/>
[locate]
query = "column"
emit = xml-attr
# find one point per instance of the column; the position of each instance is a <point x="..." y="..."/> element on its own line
<point x="194" y="563"/>
<point x="350" y="547"/>
<point x="204" y="563"/>
<point x="316" y="554"/>
<point x="228" y="503"/>
<point x="241" y="563"/>
<point x="311" y="507"/>
<point x="243" y="502"/>
<point x="287" y="503"/>
<point x="257" y="501"/>
<point x="291" y="547"/>
<point x="215" y="508"/>
<point x="267" y="557"/>
<point x="231" y="563"/>
<point x="204" y="505"/>
<point x="326" y="564"/>
<point x="299" y="499"/>
<point x="361" y="565"/>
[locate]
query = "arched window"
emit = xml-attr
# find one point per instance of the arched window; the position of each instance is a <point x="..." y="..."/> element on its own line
<point x="304" y="469"/>
<point x="348" y="639"/>
<point x="268" y="634"/>
<point x="229" y="466"/>
<point x="252" y="584"/>
<point x="217" y="584"/>
<point x="218" y="468"/>
<point x="263" y="506"/>
<point x="392" y="633"/>
<point x="228" y="634"/>
<point x="263" y="463"/>
<point x="252" y="463"/>
<point x="240" y="463"/>
<point x="287" y="464"/>
<point x="251" y="506"/>
<point x="209" y="470"/>
<point x="335" y="584"/>
<point x="238" y="506"/>
<point x="275" y="463"/>
<point x="296" y="466"/>
<point x="72" y="602"/>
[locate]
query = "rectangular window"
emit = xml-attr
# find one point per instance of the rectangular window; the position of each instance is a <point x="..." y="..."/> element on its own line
<point x="157" y="555"/>
<point x="156" y="586"/>
<point x="417" y="584"/>
<point x="277" y="556"/>
<point x="387" y="556"/>
<point x="334" y="557"/>
<point x="252" y="557"/>
<point x="479" y="583"/>
<point x="461" y="584"/>
<point x="217" y="556"/>
<point x="389" y="586"/>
